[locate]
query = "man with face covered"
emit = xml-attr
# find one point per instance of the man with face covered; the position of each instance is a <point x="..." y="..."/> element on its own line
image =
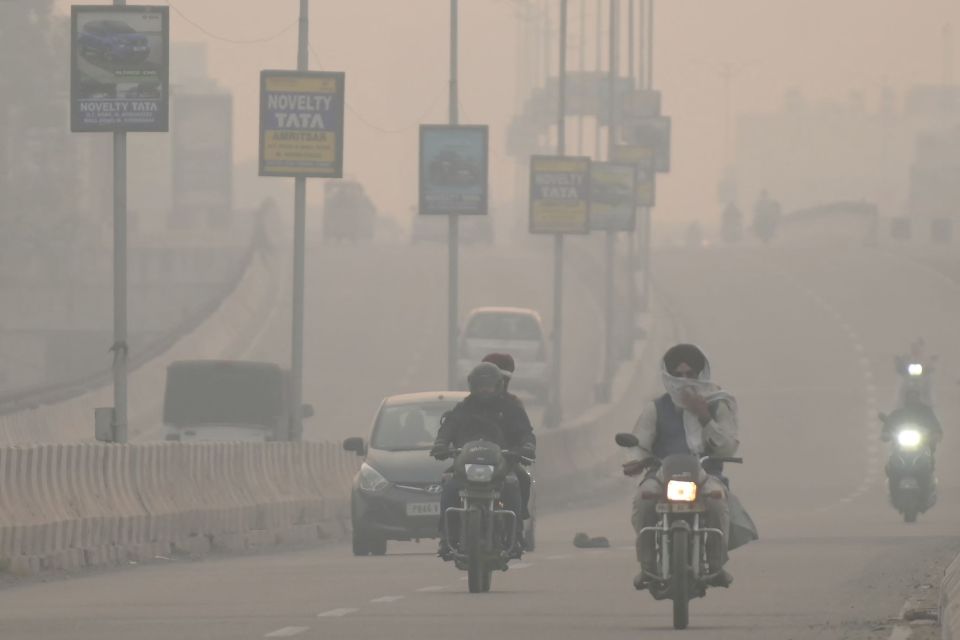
<point x="481" y="415"/>
<point x="693" y="416"/>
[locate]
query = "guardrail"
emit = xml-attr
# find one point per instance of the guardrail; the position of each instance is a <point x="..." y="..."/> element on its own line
<point x="950" y="602"/>
<point x="65" y="507"/>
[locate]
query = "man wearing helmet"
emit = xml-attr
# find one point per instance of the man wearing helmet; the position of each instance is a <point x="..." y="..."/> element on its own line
<point x="481" y="415"/>
<point x="693" y="416"/>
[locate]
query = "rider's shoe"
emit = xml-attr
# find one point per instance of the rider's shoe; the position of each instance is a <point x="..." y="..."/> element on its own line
<point x="722" y="578"/>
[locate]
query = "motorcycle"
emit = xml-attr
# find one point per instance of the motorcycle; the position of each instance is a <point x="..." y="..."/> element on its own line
<point x="910" y="470"/>
<point x="680" y="538"/>
<point x="488" y="532"/>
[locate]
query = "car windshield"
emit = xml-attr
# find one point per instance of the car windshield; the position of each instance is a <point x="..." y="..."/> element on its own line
<point x="223" y="393"/>
<point x="409" y="427"/>
<point x="503" y="326"/>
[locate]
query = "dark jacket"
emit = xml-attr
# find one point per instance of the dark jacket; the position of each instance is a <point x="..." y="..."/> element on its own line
<point x="503" y="421"/>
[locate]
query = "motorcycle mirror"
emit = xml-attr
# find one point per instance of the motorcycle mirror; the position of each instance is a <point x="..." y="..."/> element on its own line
<point x="882" y="416"/>
<point x="627" y="440"/>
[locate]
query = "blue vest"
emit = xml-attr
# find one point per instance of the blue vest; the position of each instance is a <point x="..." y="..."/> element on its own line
<point x="671" y="435"/>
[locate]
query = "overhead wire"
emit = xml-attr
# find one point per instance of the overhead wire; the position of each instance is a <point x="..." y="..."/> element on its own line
<point x="215" y="36"/>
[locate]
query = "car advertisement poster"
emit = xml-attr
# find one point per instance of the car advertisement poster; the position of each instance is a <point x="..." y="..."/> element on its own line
<point x="613" y="192"/>
<point x="453" y="170"/>
<point x="119" y="68"/>
<point x="559" y="194"/>
<point x="301" y="124"/>
<point x="202" y="132"/>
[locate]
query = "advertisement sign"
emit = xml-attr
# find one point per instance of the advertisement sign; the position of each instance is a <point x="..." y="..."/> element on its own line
<point x="202" y="135"/>
<point x="640" y="103"/>
<point x="453" y="170"/>
<point x="559" y="194"/>
<point x="119" y="68"/>
<point x="653" y="133"/>
<point x="646" y="187"/>
<point x="301" y="124"/>
<point x="613" y="196"/>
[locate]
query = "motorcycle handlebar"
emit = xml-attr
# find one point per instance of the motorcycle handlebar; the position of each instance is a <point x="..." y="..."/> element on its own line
<point x="519" y="457"/>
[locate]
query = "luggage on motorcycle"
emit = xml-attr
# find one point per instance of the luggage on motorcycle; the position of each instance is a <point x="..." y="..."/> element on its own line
<point x="742" y="528"/>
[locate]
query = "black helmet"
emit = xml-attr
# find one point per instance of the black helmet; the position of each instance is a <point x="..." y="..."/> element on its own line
<point x="485" y="376"/>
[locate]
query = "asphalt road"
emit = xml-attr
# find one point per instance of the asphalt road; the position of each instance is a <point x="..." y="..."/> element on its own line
<point x="804" y="338"/>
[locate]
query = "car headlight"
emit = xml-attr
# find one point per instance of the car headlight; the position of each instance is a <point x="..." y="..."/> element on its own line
<point x="479" y="472"/>
<point x="681" y="491"/>
<point x="909" y="438"/>
<point x="915" y="369"/>
<point x="371" y="480"/>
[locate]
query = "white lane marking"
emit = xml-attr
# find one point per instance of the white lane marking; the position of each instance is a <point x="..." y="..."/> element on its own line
<point x="286" y="632"/>
<point x="431" y="589"/>
<point x="336" y="613"/>
<point x="386" y="599"/>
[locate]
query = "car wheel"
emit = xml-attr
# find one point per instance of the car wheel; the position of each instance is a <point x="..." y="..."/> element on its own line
<point x="360" y="543"/>
<point x="378" y="546"/>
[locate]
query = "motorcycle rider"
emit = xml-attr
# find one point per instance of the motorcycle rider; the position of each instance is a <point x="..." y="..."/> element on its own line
<point x="481" y="415"/>
<point x="513" y="406"/>
<point x="693" y="416"/>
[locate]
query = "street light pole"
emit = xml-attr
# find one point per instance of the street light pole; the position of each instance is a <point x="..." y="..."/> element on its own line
<point x="556" y="396"/>
<point x="609" y="351"/>
<point x="631" y="235"/>
<point x="120" y="347"/>
<point x="453" y="239"/>
<point x="647" y="83"/>
<point x="299" y="257"/>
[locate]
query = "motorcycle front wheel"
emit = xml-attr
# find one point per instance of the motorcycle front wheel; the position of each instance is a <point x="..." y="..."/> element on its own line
<point x="680" y="570"/>
<point x="479" y="576"/>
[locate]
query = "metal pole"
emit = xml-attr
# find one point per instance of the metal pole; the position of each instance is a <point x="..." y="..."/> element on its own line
<point x="299" y="258"/>
<point x="120" y="347"/>
<point x="647" y="227"/>
<point x="599" y="68"/>
<point x="627" y="351"/>
<point x="582" y="67"/>
<point x="556" y="396"/>
<point x="609" y="351"/>
<point x="453" y="240"/>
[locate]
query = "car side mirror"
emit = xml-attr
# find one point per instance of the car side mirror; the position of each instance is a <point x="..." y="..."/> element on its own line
<point x="307" y="411"/>
<point x="356" y="445"/>
<point x="627" y="440"/>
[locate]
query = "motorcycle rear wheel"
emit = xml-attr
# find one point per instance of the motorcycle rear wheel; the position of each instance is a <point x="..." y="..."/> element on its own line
<point x="680" y="577"/>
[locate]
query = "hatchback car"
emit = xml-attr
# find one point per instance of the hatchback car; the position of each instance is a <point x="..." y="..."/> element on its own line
<point x="516" y="331"/>
<point x="396" y="492"/>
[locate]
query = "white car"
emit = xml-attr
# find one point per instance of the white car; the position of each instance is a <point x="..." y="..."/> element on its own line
<point x="512" y="330"/>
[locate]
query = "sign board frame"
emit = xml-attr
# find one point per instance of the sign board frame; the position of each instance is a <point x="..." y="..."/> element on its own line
<point x="613" y="196"/>
<point x="467" y="149"/>
<point x="314" y="101"/>
<point x="643" y="158"/>
<point x="119" y="84"/>
<point x="570" y="172"/>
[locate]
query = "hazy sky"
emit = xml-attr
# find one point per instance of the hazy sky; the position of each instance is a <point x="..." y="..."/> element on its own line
<point x="395" y="55"/>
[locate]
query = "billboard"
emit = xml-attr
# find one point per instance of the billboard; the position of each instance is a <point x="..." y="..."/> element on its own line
<point x="559" y="194"/>
<point x="613" y="196"/>
<point x="301" y="124"/>
<point x="453" y="170"/>
<point x="202" y="136"/>
<point x="646" y="187"/>
<point x="119" y="68"/>
<point x="653" y="133"/>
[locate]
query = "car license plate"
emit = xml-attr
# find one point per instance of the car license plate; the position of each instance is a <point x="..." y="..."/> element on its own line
<point x="679" y="507"/>
<point x="423" y="508"/>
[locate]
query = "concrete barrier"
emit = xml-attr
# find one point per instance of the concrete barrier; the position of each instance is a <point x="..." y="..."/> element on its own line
<point x="69" y="506"/>
<point x="950" y="602"/>
<point x="225" y="333"/>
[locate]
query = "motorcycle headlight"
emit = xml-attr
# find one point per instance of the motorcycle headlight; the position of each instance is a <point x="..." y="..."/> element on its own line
<point x="479" y="472"/>
<point x="371" y="480"/>
<point x="915" y="369"/>
<point x="909" y="438"/>
<point x="681" y="491"/>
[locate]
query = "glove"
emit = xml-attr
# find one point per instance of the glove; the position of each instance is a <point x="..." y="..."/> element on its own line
<point x="441" y="450"/>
